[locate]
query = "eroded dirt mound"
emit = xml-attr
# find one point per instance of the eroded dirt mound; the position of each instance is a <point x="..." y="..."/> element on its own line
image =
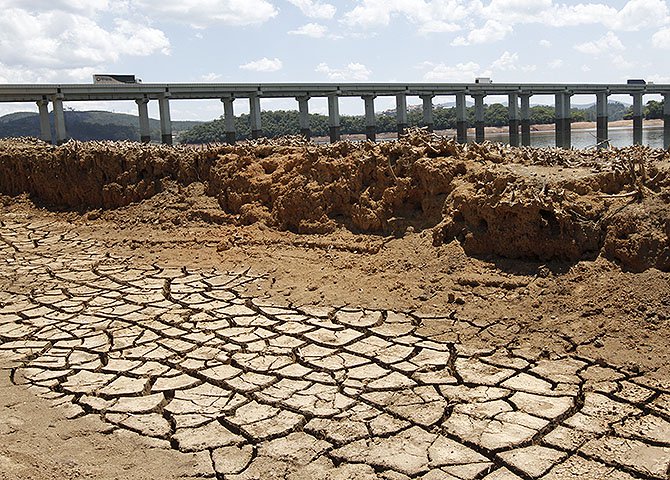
<point x="90" y="175"/>
<point x="495" y="200"/>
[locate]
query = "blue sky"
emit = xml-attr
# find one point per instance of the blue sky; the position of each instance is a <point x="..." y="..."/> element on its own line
<point x="58" y="41"/>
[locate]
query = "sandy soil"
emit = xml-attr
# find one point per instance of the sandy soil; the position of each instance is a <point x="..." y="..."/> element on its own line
<point x="562" y="253"/>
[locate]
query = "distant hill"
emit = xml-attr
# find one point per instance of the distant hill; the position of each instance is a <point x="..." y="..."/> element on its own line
<point x="90" y="125"/>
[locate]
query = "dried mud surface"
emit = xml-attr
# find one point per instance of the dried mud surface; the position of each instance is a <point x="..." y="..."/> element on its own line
<point x="192" y="310"/>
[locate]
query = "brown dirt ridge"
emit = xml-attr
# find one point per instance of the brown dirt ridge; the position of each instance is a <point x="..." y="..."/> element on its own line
<point x="528" y="203"/>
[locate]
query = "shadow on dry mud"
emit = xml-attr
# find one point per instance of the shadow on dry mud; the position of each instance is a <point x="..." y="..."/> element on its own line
<point x="499" y="202"/>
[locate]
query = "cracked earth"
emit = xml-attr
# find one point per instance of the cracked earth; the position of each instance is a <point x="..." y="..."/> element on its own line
<point x="190" y="360"/>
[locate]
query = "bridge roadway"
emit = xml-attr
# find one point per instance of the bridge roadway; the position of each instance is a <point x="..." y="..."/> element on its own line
<point x="518" y="100"/>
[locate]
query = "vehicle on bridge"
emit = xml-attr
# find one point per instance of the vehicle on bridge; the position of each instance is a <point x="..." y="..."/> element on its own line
<point x="115" y="79"/>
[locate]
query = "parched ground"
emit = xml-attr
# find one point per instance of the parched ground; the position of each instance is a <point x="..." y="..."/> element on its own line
<point x="279" y="310"/>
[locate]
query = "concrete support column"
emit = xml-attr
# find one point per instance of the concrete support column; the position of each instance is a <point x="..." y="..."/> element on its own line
<point x="525" y="119"/>
<point x="479" y="118"/>
<point x="428" y="112"/>
<point x="303" y="117"/>
<point x="461" y="119"/>
<point x="513" y="109"/>
<point x="334" y="118"/>
<point x="666" y="120"/>
<point x="59" y="119"/>
<point x="229" y="119"/>
<point x="255" y="116"/>
<point x="166" y="122"/>
<point x="562" y="118"/>
<point x="637" y="118"/>
<point x="401" y="113"/>
<point x="602" y="134"/>
<point x="45" y="124"/>
<point x="143" y="113"/>
<point x="370" y="120"/>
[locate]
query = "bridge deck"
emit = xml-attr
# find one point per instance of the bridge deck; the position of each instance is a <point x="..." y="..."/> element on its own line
<point x="81" y="92"/>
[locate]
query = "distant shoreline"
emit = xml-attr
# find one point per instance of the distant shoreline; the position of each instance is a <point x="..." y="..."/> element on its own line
<point x="547" y="127"/>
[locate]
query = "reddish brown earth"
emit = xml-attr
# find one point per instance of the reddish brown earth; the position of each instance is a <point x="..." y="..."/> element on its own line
<point x="559" y="252"/>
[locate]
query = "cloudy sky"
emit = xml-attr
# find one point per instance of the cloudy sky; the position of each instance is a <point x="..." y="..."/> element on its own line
<point x="58" y="41"/>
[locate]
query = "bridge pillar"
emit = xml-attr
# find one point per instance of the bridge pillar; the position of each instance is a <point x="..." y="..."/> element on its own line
<point x="370" y="120"/>
<point x="255" y="116"/>
<point x="45" y="124"/>
<point x="166" y="122"/>
<point x="334" y="118"/>
<point x="479" y="118"/>
<point x="59" y="119"/>
<point x="602" y="134"/>
<point x="428" y="111"/>
<point x="562" y="120"/>
<point x="461" y="119"/>
<point x="637" y="118"/>
<point x="229" y="119"/>
<point x="525" y="119"/>
<point x="401" y="112"/>
<point x="143" y="113"/>
<point x="666" y="120"/>
<point x="303" y="117"/>
<point x="513" y="109"/>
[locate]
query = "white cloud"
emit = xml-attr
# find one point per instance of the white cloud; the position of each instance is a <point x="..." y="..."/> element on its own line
<point x="609" y="46"/>
<point x="431" y="16"/>
<point x="263" y="65"/>
<point x="545" y="43"/>
<point x="315" y="9"/>
<point x="516" y="11"/>
<point x="496" y="20"/>
<point x="574" y="15"/>
<point x="461" y="72"/>
<point x="492" y="31"/>
<point x="555" y="64"/>
<point x="656" y="78"/>
<point x="633" y="16"/>
<point x="507" y="61"/>
<point x="438" y="26"/>
<point x="73" y="6"/>
<point x="211" y="77"/>
<point x="621" y="63"/>
<point x="60" y="40"/>
<point x="314" y="30"/>
<point x="202" y="14"/>
<point x="20" y="74"/>
<point x="639" y="14"/>
<point x="352" y="72"/>
<point x="661" y="39"/>
<point x="605" y="44"/>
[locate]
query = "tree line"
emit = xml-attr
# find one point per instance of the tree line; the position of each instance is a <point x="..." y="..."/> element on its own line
<point x="282" y="122"/>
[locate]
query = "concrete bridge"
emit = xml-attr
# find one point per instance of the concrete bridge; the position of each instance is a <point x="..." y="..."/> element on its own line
<point x="518" y="100"/>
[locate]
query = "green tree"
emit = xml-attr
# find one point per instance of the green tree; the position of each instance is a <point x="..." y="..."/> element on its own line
<point x="653" y="109"/>
<point x="542" y="114"/>
<point x="496" y="115"/>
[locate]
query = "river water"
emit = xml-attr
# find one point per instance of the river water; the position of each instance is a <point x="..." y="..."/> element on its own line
<point x="619" y="137"/>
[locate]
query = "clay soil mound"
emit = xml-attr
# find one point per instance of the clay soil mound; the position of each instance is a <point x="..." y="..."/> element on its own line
<point x="499" y="201"/>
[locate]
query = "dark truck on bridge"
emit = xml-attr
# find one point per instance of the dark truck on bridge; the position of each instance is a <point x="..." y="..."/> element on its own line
<point x="115" y="79"/>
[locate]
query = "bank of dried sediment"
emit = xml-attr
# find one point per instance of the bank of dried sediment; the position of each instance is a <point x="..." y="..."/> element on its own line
<point x="495" y="200"/>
